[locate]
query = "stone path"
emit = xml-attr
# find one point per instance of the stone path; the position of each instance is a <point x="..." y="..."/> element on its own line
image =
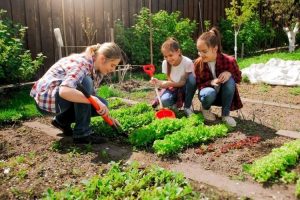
<point x="291" y="134"/>
<point x="49" y="130"/>
<point x="243" y="189"/>
<point x="270" y="103"/>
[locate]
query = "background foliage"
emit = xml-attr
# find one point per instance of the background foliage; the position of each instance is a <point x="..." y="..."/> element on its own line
<point x="253" y="34"/>
<point x="16" y="64"/>
<point x="135" y="40"/>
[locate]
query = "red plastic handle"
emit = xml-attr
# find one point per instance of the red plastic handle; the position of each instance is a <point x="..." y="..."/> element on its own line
<point x="106" y="118"/>
<point x="149" y="69"/>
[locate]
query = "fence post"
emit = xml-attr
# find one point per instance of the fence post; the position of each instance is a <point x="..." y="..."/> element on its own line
<point x="59" y="41"/>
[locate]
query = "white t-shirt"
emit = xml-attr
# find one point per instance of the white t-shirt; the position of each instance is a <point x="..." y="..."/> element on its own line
<point x="212" y="67"/>
<point x="186" y="65"/>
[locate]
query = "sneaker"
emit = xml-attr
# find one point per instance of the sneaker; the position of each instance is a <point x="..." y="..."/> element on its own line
<point x="67" y="130"/>
<point x="188" y="112"/>
<point x="229" y="121"/>
<point x="90" y="139"/>
<point x="209" y="116"/>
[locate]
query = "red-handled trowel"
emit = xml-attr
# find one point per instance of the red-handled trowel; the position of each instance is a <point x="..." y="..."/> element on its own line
<point x="109" y="120"/>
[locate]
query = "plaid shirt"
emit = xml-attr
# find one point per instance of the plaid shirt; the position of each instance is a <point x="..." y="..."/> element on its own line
<point x="68" y="72"/>
<point x="223" y="63"/>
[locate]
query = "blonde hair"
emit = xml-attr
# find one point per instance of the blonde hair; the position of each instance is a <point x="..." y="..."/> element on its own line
<point x="110" y="50"/>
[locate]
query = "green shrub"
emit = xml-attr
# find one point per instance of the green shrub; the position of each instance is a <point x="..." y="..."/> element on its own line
<point x="245" y="79"/>
<point x="16" y="64"/>
<point x="295" y="90"/>
<point x="253" y="34"/>
<point x="106" y="91"/>
<point x="161" y="76"/>
<point x="164" y="25"/>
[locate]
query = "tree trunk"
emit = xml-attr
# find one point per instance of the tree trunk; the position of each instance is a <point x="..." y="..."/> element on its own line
<point x="291" y="34"/>
<point x="235" y="43"/>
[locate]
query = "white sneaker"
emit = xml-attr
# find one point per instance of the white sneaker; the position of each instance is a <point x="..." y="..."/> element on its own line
<point x="209" y="116"/>
<point x="188" y="112"/>
<point x="229" y="121"/>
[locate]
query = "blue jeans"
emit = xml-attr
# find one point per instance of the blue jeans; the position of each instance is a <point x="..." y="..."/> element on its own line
<point x="80" y="113"/>
<point x="208" y="96"/>
<point x="168" y="98"/>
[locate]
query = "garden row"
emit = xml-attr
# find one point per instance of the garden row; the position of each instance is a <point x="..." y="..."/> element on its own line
<point x="167" y="136"/>
<point x="129" y="182"/>
<point x="277" y="165"/>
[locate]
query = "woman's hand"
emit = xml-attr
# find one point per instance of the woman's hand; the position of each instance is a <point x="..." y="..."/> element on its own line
<point x="215" y="82"/>
<point x="224" y="77"/>
<point x="103" y="108"/>
<point x="116" y="123"/>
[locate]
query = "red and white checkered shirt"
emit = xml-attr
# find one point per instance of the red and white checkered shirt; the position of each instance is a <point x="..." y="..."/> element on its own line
<point x="68" y="71"/>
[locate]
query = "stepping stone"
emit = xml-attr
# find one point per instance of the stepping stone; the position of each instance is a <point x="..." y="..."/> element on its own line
<point x="270" y="103"/>
<point x="243" y="189"/>
<point x="291" y="134"/>
<point x="49" y="130"/>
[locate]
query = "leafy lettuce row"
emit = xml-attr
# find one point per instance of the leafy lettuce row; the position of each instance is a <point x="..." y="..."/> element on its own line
<point x="129" y="182"/>
<point x="275" y="163"/>
<point x="188" y="136"/>
<point x="129" y="117"/>
<point x="298" y="189"/>
<point x="158" y="129"/>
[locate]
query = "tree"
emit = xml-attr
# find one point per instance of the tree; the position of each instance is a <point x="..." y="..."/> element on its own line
<point x="239" y="13"/>
<point x="286" y="14"/>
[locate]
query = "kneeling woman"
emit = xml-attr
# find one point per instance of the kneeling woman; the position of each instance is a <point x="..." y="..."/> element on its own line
<point x="216" y="77"/>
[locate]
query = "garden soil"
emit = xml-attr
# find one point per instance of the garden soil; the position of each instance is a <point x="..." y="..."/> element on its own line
<point x="37" y="162"/>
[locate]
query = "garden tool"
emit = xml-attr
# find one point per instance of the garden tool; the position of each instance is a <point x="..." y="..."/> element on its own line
<point x="106" y="118"/>
<point x="163" y="112"/>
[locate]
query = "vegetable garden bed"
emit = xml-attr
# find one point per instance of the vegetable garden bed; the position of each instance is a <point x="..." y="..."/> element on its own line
<point x="32" y="162"/>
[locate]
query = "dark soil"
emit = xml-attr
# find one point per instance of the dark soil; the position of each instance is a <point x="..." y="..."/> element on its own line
<point x="31" y="161"/>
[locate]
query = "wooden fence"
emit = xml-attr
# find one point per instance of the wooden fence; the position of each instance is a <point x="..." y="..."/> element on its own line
<point x="42" y="16"/>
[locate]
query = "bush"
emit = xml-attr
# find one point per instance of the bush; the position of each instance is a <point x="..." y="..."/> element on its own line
<point x="16" y="64"/>
<point x="253" y="34"/>
<point x="164" y="25"/>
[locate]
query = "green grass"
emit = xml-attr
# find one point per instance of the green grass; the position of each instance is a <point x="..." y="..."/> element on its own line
<point x="263" y="58"/>
<point x="105" y="92"/>
<point x="17" y="105"/>
<point x="295" y="91"/>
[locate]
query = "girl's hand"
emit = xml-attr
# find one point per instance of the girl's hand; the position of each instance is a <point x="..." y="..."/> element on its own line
<point x="103" y="108"/>
<point x="215" y="82"/>
<point x="156" y="82"/>
<point x="224" y="77"/>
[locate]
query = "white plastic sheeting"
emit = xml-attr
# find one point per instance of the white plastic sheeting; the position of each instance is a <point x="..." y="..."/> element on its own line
<point x="274" y="72"/>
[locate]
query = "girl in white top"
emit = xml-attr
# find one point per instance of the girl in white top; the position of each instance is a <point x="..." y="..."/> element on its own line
<point x="180" y="77"/>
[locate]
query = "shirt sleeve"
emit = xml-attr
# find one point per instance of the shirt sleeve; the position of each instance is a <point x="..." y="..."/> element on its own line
<point x="189" y="67"/>
<point x="164" y="67"/>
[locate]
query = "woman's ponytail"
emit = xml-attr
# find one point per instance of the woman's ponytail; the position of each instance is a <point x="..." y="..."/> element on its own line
<point x="92" y="50"/>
